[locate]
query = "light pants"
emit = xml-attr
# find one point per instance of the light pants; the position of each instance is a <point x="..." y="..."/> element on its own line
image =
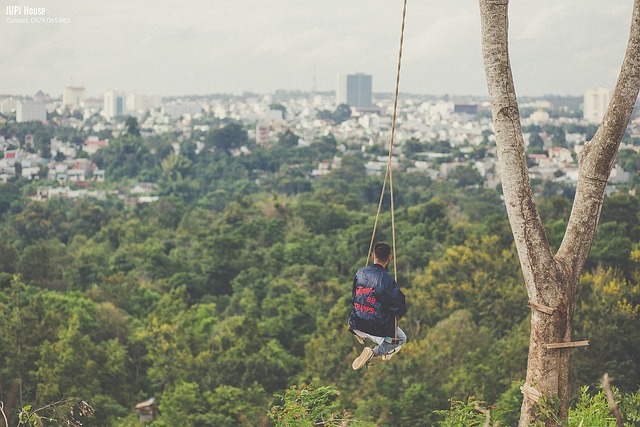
<point x="384" y="348"/>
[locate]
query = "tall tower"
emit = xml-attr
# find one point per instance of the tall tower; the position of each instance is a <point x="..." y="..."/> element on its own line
<point x="72" y="96"/>
<point x="595" y="103"/>
<point x="114" y="104"/>
<point x="355" y="90"/>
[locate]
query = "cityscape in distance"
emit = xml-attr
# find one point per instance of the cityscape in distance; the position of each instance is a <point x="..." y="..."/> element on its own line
<point x="557" y="126"/>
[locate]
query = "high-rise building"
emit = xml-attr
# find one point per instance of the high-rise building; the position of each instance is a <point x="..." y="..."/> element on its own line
<point x="114" y="104"/>
<point x="8" y="105"/>
<point x="355" y="90"/>
<point x="73" y="96"/>
<point x="595" y="103"/>
<point x="136" y="103"/>
<point x="31" y="111"/>
<point x="262" y="133"/>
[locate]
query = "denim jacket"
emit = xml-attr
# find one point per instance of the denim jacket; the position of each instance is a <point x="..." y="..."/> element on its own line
<point x="376" y="300"/>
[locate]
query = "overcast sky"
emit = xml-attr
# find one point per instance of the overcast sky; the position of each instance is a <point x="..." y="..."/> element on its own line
<point x="194" y="47"/>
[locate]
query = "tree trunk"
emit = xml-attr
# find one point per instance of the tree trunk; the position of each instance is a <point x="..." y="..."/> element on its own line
<point x="551" y="281"/>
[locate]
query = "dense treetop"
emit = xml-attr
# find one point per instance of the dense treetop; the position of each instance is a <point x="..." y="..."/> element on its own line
<point x="235" y="284"/>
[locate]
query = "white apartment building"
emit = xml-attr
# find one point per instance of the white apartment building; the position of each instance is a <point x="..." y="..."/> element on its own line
<point x="73" y="96"/>
<point x="8" y="105"/>
<point x="114" y="104"/>
<point x="141" y="103"/>
<point x="595" y="103"/>
<point x="31" y="111"/>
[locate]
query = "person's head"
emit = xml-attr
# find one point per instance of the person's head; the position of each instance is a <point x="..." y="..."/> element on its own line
<point x="382" y="253"/>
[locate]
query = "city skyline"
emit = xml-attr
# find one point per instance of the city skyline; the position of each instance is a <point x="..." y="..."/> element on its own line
<point x="558" y="47"/>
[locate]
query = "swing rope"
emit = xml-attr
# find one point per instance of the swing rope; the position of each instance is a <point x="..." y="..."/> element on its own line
<point x="389" y="174"/>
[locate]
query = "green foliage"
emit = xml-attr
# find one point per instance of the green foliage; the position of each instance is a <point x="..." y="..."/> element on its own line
<point x="339" y="115"/>
<point x="462" y="414"/>
<point x="412" y="146"/>
<point x="236" y="285"/>
<point x="8" y="258"/>
<point x="310" y="406"/>
<point x="630" y="408"/>
<point x="127" y="157"/>
<point x="591" y="410"/>
<point x="10" y="197"/>
<point x="342" y="113"/>
<point x="65" y="412"/>
<point x="227" y="138"/>
<point x="131" y="126"/>
<point x="42" y="264"/>
<point x="609" y="305"/>
<point x="612" y="246"/>
<point x="465" y="176"/>
<point x="288" y="139"/>
<point x="189" y="406"/>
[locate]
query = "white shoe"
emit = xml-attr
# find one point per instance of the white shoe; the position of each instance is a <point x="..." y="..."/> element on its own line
<point x="390" y="355"/>
<point x="365" y="356"/>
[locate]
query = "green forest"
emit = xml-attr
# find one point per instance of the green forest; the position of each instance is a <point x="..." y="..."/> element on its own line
<point x="234" y="287"/>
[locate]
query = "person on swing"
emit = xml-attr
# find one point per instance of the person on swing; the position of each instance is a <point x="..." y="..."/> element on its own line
<point x="378" y="304"/>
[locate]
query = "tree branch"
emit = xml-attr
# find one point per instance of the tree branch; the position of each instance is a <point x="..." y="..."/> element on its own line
<point x="612" y="402"/>
<point x="4" y="416"/>
<point x="529" y="235"/>
<point x="486" y="413"/>
<point x="598" y="156"/>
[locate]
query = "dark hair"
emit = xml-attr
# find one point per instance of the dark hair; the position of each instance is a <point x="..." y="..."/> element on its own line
<point x="382" y="251"/>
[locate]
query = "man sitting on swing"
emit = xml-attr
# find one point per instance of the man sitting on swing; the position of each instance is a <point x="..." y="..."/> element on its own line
<point x="378" y="304"/>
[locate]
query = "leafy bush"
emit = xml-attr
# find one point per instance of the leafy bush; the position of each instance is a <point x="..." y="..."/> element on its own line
<point x="591" y="410"/>
<point x="308" y="406"/>
<point x="463" y="414"/>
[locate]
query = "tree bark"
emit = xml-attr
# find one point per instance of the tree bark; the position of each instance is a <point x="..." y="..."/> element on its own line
<point x="551" y="281"/>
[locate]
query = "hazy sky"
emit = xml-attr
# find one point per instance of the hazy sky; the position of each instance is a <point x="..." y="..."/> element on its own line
<point x="164" y="47"/>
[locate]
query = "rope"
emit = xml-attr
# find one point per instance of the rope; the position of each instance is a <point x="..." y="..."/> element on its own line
<point x="389" y="174"/>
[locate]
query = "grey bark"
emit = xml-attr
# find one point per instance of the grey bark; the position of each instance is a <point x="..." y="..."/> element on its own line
<point x="551" y="280"/>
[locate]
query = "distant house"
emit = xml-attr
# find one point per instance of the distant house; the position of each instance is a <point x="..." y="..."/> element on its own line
<point x="447" y="168"/>
<point x="323" y="169"/>
<point x="486" y="167"/>
<point x="76" y="175"/>
<point x="544" y="172"/>
<point x="84" y="165"/>
<point x="31" y="172"/>
<point x="539" y="116"/>
<point x="560" y="155"/>
<point x="619" y="175"/>
<point x="7" y="166"/>
<point x="147" y="410"/>
<point x="93" y="144"/>
<point x="148" y="199"/>
<point x="42" y="193"/>
<point x="540" y="159"/>
<point x="374" y="168"/>
<point x="144" y="189"/>
<point x="421" y="166"/>
<point x="62" y="178"/>
<point x="98" y="175"/>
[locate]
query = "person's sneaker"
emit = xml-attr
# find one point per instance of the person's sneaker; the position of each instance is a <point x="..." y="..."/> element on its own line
<point x="359" y="338"/>
<point x="365" y="356"/>
<point x="390" y="355"/>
